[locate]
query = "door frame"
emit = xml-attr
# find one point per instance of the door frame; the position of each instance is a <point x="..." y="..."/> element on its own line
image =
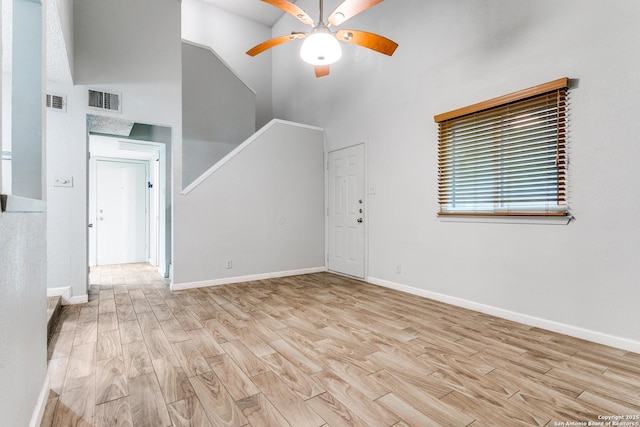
<point x="367" y="212"/>
<point x="164" y="192"/>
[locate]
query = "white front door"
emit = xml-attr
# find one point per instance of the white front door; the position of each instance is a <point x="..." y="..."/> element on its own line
<point x="121" y="205"/>
<point x="346" y="211"/>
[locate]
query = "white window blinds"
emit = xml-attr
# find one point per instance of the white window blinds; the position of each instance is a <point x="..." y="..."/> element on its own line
<point x="506" y="156"/>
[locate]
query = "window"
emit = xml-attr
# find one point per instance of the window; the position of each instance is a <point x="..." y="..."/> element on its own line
<point x="22" y="100"/>
<point x="506" y="156"/>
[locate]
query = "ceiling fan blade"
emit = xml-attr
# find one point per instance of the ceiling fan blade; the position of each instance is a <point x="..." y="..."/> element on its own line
<point x="321" y="70"/>
<point x="368" y="40"/>
<point x="292" y="10"/>
<point x="274" y="42"/>
<point x="350" y="8"/>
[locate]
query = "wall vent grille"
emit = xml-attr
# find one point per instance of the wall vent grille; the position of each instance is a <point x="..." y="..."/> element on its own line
<point x="105" y="100"/>
<point x="57" y="102"/>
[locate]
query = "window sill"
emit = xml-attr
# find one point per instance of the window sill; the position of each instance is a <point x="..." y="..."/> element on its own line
<point x="537" y="220"/>
<point x="14" y="204"/>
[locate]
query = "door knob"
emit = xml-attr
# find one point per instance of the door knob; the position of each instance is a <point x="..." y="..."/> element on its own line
<point x="359" y="220"/>
<point x="90" y="226"/>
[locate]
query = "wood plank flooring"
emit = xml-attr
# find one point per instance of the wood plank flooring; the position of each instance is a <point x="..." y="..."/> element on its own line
<point x="317" y="350"/>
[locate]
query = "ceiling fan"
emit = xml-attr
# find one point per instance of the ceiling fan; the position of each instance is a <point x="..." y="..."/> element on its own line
<point x="320" y="47"/>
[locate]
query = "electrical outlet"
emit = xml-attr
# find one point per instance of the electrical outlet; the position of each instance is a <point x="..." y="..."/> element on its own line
<point x="228" y="264"/>
<point x="398" y="269"/>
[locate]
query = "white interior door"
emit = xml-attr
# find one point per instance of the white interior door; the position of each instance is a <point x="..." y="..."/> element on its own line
<point x="346" y="211"/>
<point x="121" y="206"/>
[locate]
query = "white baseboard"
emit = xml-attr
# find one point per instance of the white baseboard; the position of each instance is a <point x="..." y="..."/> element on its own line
<point x="239" y="279"/>
<point x="64" y="292"/>
<point x="550" y="325"/>
<point x="41" y="404"/>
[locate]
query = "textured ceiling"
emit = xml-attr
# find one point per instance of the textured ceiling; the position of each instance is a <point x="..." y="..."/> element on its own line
<point x="109" y="125"/>
<point x="255" y="10"/>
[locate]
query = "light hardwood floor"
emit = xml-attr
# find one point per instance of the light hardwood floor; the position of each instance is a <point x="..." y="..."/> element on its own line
<point x="316" y="350"/>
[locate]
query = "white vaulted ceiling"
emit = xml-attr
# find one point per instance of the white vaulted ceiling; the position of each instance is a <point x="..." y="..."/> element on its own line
<point x="255" y="10"/>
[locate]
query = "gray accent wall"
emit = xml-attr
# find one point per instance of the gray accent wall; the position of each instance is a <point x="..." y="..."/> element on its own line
<point x="230" y="36"/>
<point x="218" y="110"/>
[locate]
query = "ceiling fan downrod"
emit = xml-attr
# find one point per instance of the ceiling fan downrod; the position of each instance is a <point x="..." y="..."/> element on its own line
<point x="321" y="17"/>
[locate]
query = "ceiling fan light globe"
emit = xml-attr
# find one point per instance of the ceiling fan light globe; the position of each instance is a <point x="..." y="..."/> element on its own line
<point x="320" y="49"/>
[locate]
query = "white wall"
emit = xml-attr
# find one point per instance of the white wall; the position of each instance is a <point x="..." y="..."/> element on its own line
<point x="23" y="305"/>
<point x="66" y="210"/>
<point x="23" y="315"/>
<point x="230" y="36"/>
<point x="262" y="208"/>
<point x="135" y="52"/>
<point x="453" y="53"/>
<point x="218" y="110"/>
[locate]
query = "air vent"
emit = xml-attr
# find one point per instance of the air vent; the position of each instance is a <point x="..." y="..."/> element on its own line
<point x="57" y="102"/>
<point x="105" y="101"/>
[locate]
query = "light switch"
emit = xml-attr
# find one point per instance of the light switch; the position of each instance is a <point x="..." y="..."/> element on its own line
<point x="63" y="181"/>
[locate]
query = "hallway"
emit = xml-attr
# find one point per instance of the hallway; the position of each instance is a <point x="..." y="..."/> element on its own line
<point x="126" y="274"/>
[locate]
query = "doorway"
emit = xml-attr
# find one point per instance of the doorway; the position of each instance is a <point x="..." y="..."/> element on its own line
<point x="346" y="211"/>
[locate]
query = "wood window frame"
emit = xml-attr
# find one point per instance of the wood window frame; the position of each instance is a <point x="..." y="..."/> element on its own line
<point x="561" y="84"/>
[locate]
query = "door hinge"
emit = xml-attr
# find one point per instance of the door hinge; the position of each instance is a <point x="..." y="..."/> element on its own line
<point x="327" y="165"/>
<point x="327" y="257"/>
<point x="327" y="211"/>
<point x="88" y="155"/>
